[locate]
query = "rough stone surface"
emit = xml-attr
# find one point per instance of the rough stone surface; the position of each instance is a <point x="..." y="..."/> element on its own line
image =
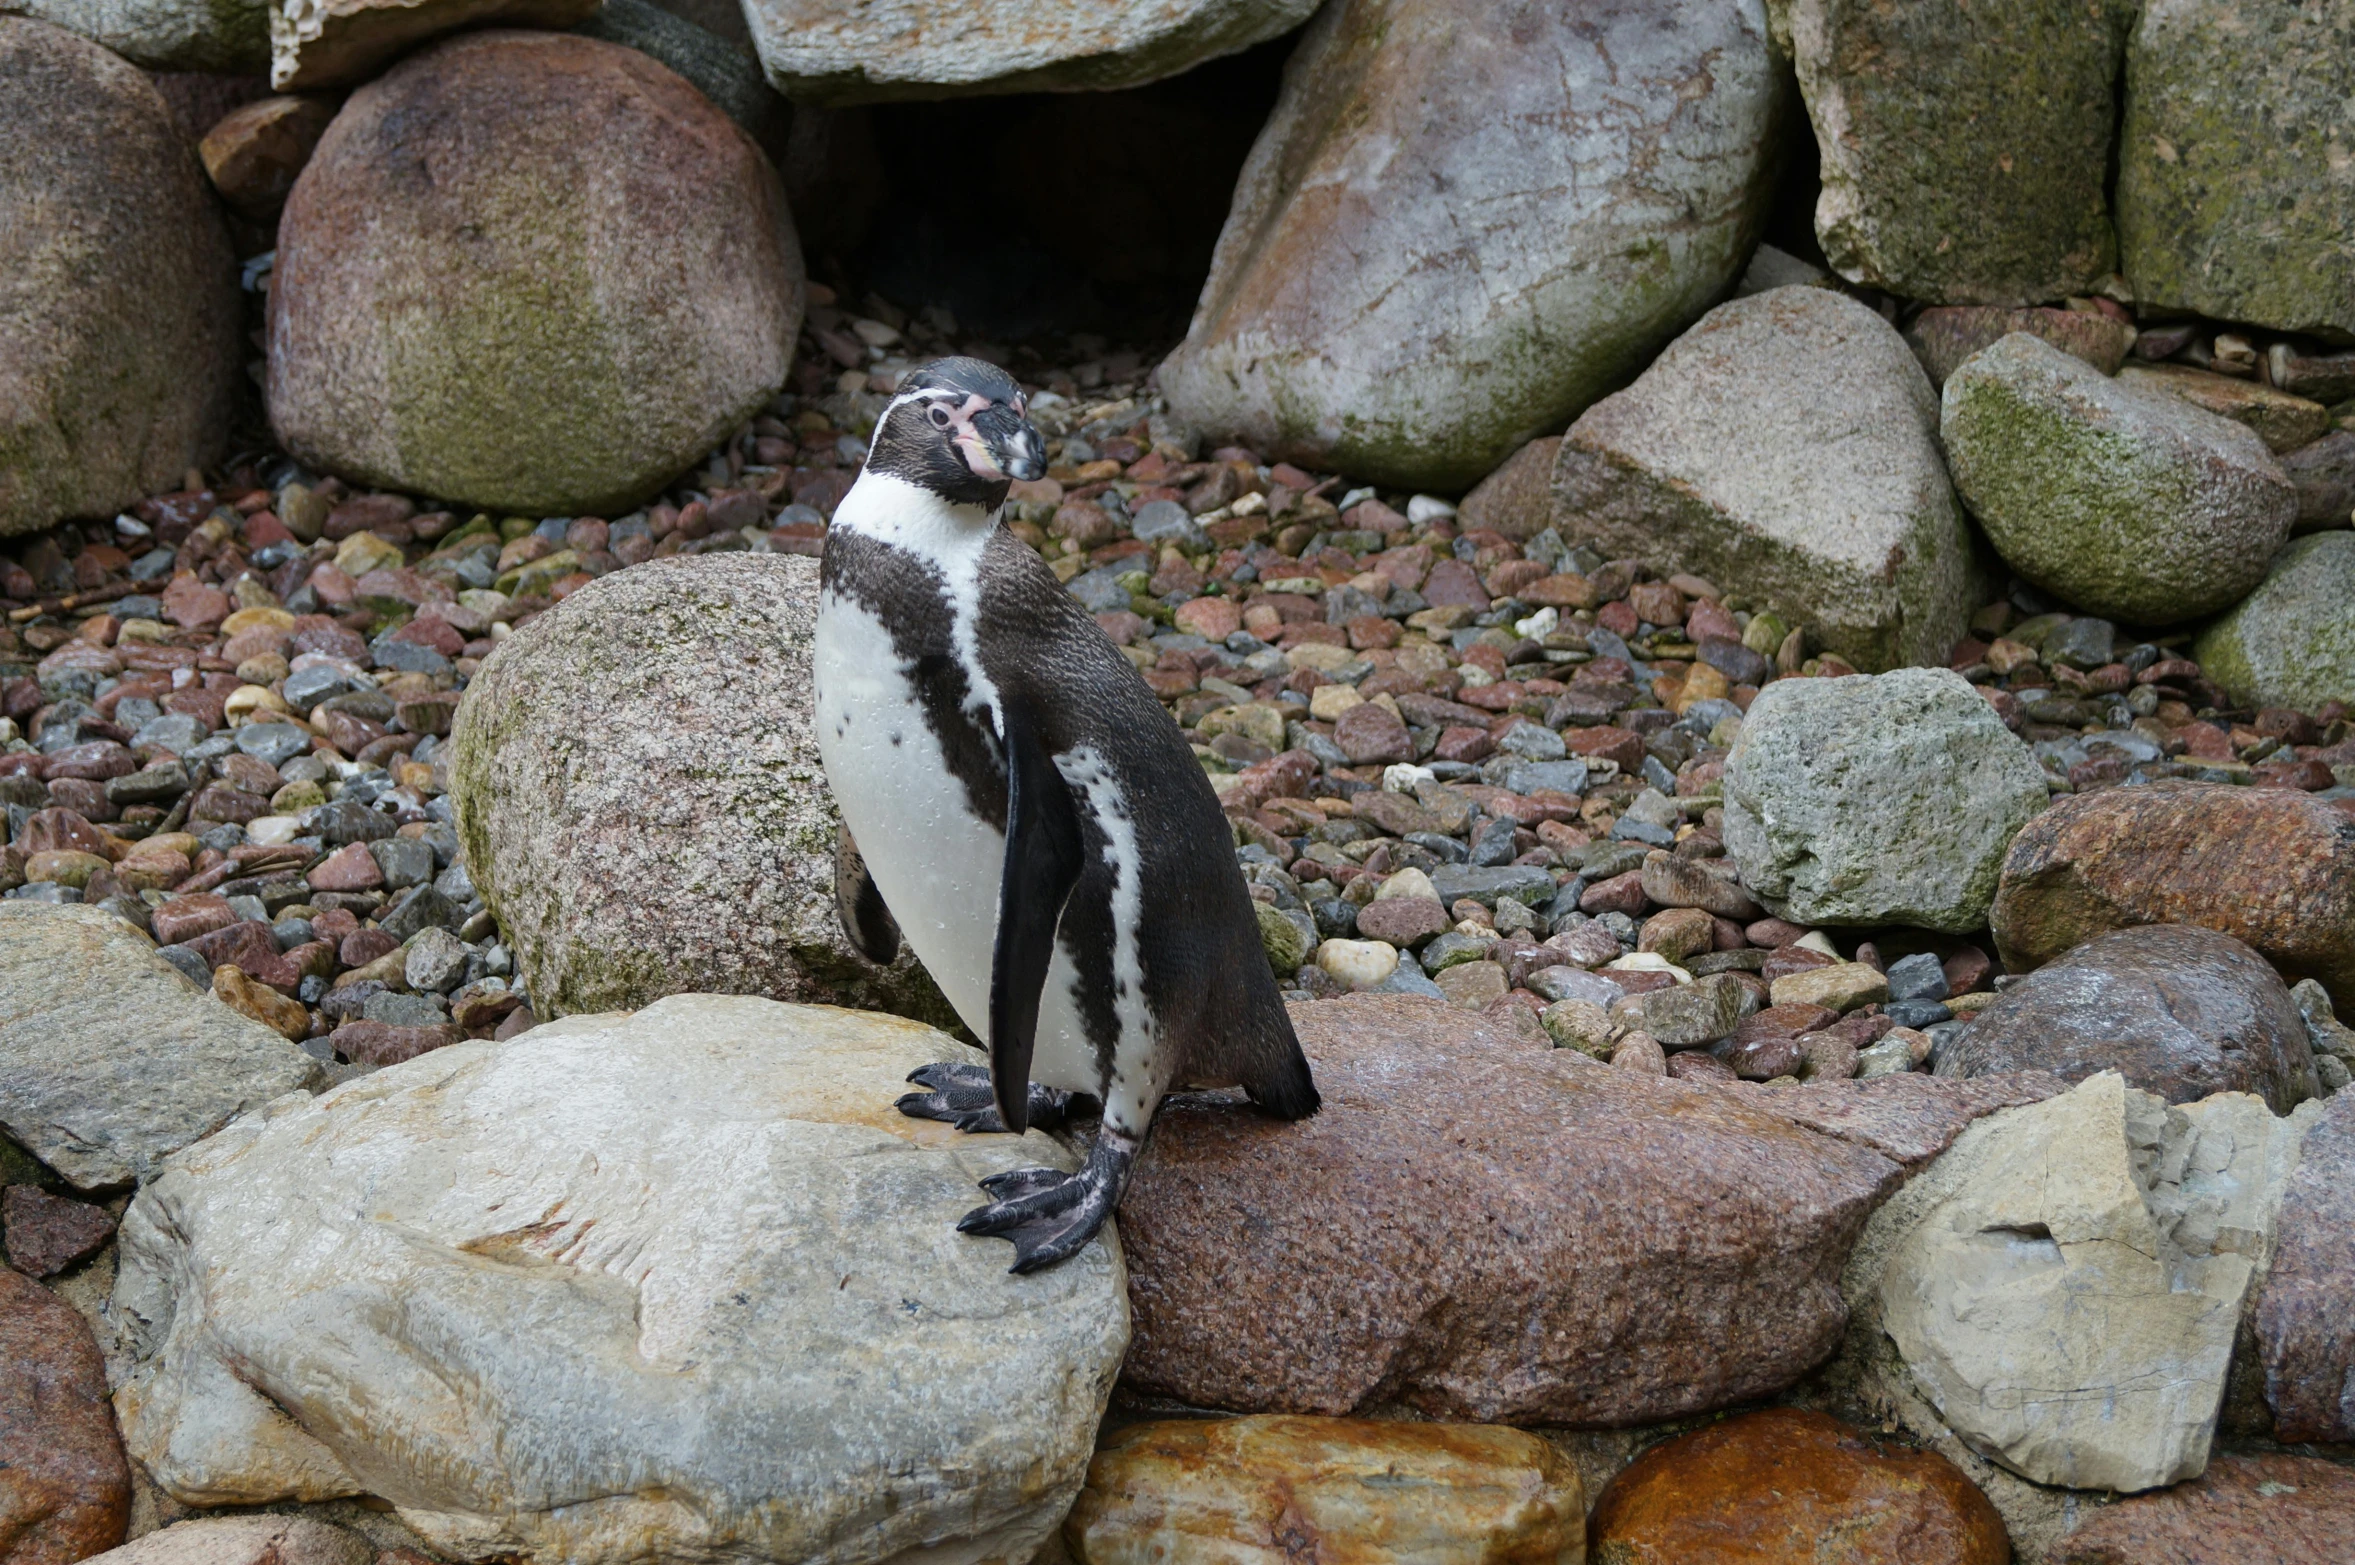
<point x="1450" y="239"/>
<point x="47" y="1233"/>
<point x="109" y="1058"/>
<point x="1264" y="1491"/>
<point x="1963" y="148"/>
<point x="2270" y="866"/>
<point x="722" y="70"/>
<point x="333" y="43"/>
<point x="2306" y="1311"/>
<point x="682" y="1283"/>
<point x="1943" y="337"/>
<point x="227" y="36"/>
<point x="1786" y="1484"/>
<point x="120" y="359"/>
<point x="2274" y="1508"/>
<point x="508" y="338"/>
<point x="1787" y="442"/>
<point x="1355" y="1258"/>
<point x="2324" y="474"/>
<point x="2179" y="1011"/>
<point x="2282" y="421"/>
<point x="2063" y="1285"/>
<point x="823" y="53"/>
<point x="65" y="1489"/>
<point x="1516" y="499"/>
<point x="2235" y="193"/>
<point x="256" y="151"/>
<point x="2292" y="641"/>
<point x="1877" y="799"/>
<point x="2129" y="502"/>
<point x="245" y="1540"/>
<point x="690" y="848"/>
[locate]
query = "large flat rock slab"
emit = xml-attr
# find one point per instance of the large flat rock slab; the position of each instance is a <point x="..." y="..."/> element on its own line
<point x="1486" y="1230"/>
<point x="109" y="1058"/>
<point x="678" y="1284"/>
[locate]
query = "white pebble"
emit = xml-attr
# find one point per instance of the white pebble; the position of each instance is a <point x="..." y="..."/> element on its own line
<point x="272" y="831"/>
<point x="1538" y="626"/>
<point x="1647" y="962"/>
<point x="1358" y="964"/>
<point x="1817" y="940"/>
<point x="1409" y="882"/>
<point x="1428" y="508"/>
<point x="1399" y="777"/>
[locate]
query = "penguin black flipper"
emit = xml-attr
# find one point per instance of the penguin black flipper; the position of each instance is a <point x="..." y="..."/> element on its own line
<point x="1043" y="861"/>
<point x="866" y="921"/>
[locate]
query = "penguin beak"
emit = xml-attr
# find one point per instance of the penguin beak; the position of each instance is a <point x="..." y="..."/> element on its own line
<point x="1009" y="445"/>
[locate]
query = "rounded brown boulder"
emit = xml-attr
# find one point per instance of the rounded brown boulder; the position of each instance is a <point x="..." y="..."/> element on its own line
<point x="529" y="271"/>
<point x="65" y="1485"/>
<point x="2271" y="866"/>
<point x="119" y="359"/>
<point x="2177" y="1010"/>
<point x="1785" y="1484"/>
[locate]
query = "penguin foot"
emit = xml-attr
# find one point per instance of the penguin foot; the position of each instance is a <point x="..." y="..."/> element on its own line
<point x="1049" y="1215"/>
<point x="962" y="1096"/>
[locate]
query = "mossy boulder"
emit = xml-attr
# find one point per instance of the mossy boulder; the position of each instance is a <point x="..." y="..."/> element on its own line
<point x="1451" y="238"/>
<point x="1964" y="148"/>
<point x="2128" y="502"/>
<point x="2292" y="641"/>
<point x="577" y="277"/>
<point x="2236" y="193"/>
<point x="640" y="798"/>
<point x="119" y="353"/>
<point x="227" y="36"/>
<point x="1787" y="442"/>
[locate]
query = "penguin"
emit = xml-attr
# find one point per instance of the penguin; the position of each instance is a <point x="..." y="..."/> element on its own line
<point x="1019" y="808"/>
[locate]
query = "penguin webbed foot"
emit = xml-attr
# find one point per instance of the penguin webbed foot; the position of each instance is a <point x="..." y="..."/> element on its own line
<point x="961" y="1096"/>
<point x="1049" y="1215"/>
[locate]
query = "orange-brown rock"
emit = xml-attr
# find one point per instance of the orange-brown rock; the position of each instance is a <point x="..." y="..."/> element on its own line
<point x="1790" y="1485"/>
<point x="65" y="1486"/>
<point x="1490" y="1232"/>
<point x="257" y="149"/>
<point x="1517" y="499"/>
<point x="2244" y="1510"/>
<point x="1338" y="1491"/>
<point x="2271" y="866"/>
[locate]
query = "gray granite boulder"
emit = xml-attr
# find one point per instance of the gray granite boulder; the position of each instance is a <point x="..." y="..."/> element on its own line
<point x="228" y="36"/>
<point x="1964" y="148"/>
<point x="2292" y="641"/>
<point x="641" y="801"/>
<point x="2235" y="190"/>
<point x="1451" y="238"/>
<point x="682" y="1284"/>
<point x="2126" y="501"/>
<point x="1787" y="442"/>
<point x="1885" y="799"/>
<point x="109" y="1058"/>
<point x="123" y="350"/>
<point x="823" y="52"/>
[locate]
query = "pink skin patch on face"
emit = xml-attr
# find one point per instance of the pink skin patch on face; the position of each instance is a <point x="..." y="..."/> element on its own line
<point x="968" y="439"/>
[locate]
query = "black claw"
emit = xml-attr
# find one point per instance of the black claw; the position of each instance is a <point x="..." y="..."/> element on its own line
<point x="962" y="1096"/>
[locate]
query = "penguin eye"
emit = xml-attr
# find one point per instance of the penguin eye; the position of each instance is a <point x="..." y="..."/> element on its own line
<point x="940" y="416"/>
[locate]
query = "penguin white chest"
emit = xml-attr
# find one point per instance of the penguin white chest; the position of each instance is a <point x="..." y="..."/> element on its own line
<point x="937" y="861"/>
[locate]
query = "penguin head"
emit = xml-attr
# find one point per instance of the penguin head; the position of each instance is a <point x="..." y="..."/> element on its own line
<point x="960" y="428"/>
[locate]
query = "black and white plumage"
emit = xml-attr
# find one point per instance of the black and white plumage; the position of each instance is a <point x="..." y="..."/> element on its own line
<point x="1029" y="817"/>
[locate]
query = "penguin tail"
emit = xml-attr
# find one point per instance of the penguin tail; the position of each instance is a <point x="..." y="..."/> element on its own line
<point x="1282" y="1085"/>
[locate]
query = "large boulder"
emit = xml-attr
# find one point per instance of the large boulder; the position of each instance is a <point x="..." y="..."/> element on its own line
<point x="333" y="43"/>
<point x="1358" y="1258"/>
<point x="1787" y="442"/>
<point x="1359" y="1489"/>
<point x="120" y="363"/>
<point x="2178" y="1011"/>
<point x="244" y="1540"/>
<point x="509" y="337"/>
<point x="721" y="71"/>
<point x="2127" y="501"/>
<point x="2292" y="641"/>
<point x="2269" y="866"/>
<point x="2306" y="1310"/>
<point x="65" y="1487"/>
<point x="228" y="36"/>
<point x="2064" y="1283"/>
<point x="821" y="52"/>
<point x="1945" y="337"/>
<point x="1964" y="149"/>
<point x="2274" y="1507"/>
<point x="2235" y="192"/>
<point x="641" y="800"/>
<point x="1877" y="799"/>
<point x="110" y="1058"/>
<point x="1450" y="239"/>
<point x="1781" y="1483"/>
<point x="683" y="1283"/>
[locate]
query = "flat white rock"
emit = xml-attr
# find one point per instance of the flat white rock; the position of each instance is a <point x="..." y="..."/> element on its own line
<point x="676" y="1284"/>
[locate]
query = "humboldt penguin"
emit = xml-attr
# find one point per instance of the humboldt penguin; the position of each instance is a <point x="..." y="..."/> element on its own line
<point x="1029" y="817"/>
